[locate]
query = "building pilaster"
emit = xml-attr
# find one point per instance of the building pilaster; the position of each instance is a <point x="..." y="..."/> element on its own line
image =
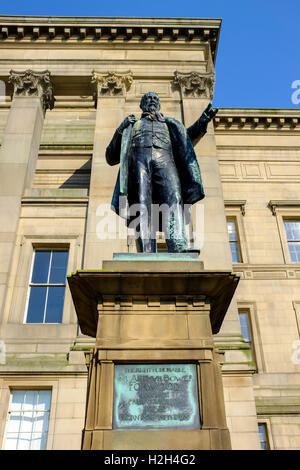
<point x="197" y="90"/>
<point x="110" y="96"/>
<point x="32" y="95"/>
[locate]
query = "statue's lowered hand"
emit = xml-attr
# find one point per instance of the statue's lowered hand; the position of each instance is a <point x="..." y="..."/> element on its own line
<point x="131" y="119"/>
<point x="209" y="113"/>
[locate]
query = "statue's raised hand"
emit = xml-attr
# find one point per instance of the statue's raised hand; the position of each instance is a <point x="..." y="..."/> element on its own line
<point x="209" y="113"/>
<point x="131" y="119"/>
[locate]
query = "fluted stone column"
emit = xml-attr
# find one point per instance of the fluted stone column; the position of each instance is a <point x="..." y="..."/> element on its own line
<point x="32" y="96"/>
<point x="110" y="97"/>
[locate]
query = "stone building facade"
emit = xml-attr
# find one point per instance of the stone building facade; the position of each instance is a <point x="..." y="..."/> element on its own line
<point x="68" y="84"/>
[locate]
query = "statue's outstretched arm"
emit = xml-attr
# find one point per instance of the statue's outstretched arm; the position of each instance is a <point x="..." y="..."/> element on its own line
<point x="199" y="128"/>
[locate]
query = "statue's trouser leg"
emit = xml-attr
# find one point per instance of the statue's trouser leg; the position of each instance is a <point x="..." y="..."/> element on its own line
<point x="140" y="192"/>
<point x="167" y="191"/>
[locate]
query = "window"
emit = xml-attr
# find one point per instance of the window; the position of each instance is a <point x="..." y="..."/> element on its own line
<point x="47" y="287"/>
<point x="292" y="230"/>
<point x="263" y="436"/>
<point x="28" y="419"/>
<point x="234" y="241"/>
<point x="246" y="330"/>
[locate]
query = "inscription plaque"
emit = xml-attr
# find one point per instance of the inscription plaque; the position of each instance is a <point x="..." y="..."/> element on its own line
<point x="156" y="396"/>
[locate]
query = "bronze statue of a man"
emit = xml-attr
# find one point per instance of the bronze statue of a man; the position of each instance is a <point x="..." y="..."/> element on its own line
<point x="158" y="168"/>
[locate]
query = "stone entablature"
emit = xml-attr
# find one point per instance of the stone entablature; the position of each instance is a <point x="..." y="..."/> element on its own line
<point x="257" y="119"/>
<point x="33" y="84"/>
<point x="95" y="30"/>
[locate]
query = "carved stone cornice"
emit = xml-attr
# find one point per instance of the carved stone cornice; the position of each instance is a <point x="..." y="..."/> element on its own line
<point x="111" y="84"/>
<point x="195" y="84"/>
<point x="273" y="205"/>
<point x="256" y="122"/>
<point x="30" y="83"/>
<point x="239" y="204"/>
<point x="68" y="31"/>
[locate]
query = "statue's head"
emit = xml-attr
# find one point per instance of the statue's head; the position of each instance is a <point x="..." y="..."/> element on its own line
<point x="150" y="102"/>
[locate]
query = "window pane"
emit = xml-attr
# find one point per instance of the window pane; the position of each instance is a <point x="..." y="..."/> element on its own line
<point x="30" y="400"/>
<point x="59" y="267"/>
<point x="292" y="229"/>
<point x="263" y="437"/>
<point x="245" y="327"/>
<point x="11" y="442"/>
<point x="36" y="305"/>
<point x="24" y="441"/>
<point x="41" y="267"/>
<point x="44" y="399"/>
<point x="38" y="441"/>
<point x="41" y="422"/>
<point x="55" y="304"/>
<point x="27" y="422"/>
<point x="14" y="423"/>
<point x="235" y="255"/>
<point x="17" y="400"/>
<point x="294" y="248"/>
<point x="231" y="230"/>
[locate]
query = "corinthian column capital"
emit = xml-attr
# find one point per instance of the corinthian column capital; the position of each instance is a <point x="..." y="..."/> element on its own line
<point x="111" y="83"/>
<point x="195" y="84"/>
<point x="30" y="83"/>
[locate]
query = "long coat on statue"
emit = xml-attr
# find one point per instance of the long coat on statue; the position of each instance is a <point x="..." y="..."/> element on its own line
<point x="182" y="139"/>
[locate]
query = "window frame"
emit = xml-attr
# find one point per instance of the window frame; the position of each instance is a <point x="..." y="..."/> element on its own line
<point x="256" y="344"/>
<point x="28" y="243"/>
<point x="282" y="211"/>
<point x="57" y="247"/>
<point x="235" y="210"/>
<point x="21" y="415"/>
<point x="266" y="422"/>
<point x="22" y="383"/>
<point x="237" y="241"/>
<point x="296" y="306"/>
<point x="289" y="219"/>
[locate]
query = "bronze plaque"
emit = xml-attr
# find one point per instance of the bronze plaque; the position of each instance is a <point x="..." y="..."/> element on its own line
<point x="156" y="396"/>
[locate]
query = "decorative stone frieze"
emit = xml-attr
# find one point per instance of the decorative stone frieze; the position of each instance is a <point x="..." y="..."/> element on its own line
<point x="111" y="84"/>
<point x="30" y="83"/>
<point x="195" y="84"/>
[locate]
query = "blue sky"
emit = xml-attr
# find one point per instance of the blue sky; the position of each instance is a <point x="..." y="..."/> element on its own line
<point x="259" y="48"/>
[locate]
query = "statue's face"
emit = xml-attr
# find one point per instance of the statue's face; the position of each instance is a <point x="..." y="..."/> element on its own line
<point x="150" y="102"/>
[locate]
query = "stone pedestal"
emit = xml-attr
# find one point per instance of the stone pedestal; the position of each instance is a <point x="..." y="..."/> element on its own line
<point x="165" y="319"/>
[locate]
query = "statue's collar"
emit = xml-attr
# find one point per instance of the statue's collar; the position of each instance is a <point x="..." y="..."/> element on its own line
<point x="157" y="116"/>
